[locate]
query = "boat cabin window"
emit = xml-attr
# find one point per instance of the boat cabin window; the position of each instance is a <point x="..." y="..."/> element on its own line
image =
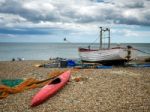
<point x="55" y="81"/>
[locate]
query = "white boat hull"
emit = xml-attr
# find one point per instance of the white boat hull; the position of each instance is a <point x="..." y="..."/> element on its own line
<point x="106" y="55"/>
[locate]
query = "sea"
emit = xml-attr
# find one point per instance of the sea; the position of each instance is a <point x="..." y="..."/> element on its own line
<point x="46" y="51"/>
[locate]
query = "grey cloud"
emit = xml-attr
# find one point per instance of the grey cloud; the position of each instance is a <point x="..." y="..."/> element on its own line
<point x="82" y="13"/>
<point x="16" y="7"/>
<point x="136" y="5"/>
<point x="131" y="4"/>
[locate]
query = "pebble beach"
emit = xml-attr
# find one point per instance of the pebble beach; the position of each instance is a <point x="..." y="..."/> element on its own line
<point x="120" y="89"/>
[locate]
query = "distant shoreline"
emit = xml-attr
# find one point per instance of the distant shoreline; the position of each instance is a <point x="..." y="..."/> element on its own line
<point x="66" y="43"/>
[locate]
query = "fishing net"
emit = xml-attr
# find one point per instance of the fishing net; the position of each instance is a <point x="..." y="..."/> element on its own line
<point x="30" y="83"/>
<point x="11" y="82"/>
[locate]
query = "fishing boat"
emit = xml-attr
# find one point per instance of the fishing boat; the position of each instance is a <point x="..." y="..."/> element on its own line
<point x="115" y="55"/>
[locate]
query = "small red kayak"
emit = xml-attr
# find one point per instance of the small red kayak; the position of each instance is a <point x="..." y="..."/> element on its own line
<point x="51" y="88"/>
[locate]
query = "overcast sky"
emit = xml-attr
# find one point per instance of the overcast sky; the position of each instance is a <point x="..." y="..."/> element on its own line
<point x="77" y="20"/>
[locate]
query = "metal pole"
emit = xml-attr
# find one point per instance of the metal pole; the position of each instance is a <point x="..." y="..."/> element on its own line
<point x="108" y="38"/>
<point x="100" y="47"/>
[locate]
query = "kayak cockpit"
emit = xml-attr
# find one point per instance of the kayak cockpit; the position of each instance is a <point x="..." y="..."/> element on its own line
<point x="55" y="81"/>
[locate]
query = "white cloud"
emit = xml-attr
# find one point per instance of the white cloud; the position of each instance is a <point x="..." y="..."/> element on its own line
<point x="10" y="20"/>
<point x="7" y="35"/>
<point x="133" y="12"/>
<point x="75" y="15"/>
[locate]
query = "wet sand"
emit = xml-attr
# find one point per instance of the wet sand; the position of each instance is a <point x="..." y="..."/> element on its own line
<point x="99" y="90"/>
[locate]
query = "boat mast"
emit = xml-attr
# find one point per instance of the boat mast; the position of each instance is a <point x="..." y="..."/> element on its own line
<point x="101" y="37"/>
<point x="108" y="38"/>
<point x="100" y="47"/>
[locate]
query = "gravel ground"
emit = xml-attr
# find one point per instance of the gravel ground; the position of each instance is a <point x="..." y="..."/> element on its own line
<point x="98" y="90"/>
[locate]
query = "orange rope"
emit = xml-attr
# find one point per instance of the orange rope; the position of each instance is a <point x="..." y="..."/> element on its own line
<point x="30" y="83"/>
